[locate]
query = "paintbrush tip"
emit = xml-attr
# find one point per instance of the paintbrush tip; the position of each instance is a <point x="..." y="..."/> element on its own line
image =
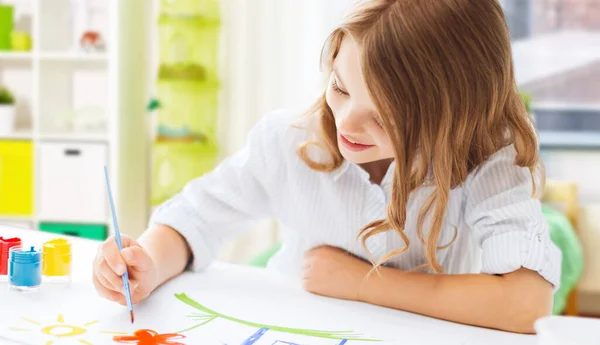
<point x="131" y="314"/>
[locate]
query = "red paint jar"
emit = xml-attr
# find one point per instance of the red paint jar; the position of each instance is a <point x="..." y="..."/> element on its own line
<point x="5" y="245"/>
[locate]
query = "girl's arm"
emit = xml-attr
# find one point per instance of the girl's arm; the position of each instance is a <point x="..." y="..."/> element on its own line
<point x="512" y="302"/>
<point x="520" y="265"/>
<point x="217" y="207"/>
<point x="168" y="250"/>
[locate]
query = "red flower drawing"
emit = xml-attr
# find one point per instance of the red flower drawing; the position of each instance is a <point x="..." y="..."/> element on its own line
<point x="149" y="337"/>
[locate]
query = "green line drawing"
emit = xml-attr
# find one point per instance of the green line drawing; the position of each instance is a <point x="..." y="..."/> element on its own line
<point x="209" y="315"/>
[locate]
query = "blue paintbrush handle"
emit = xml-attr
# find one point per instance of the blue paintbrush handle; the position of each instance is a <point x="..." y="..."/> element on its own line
<point x="128" y="292"/>
<point x="125" y="276"/>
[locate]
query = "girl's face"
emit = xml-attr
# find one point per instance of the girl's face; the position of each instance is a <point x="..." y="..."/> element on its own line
<point x="361" y="137"/>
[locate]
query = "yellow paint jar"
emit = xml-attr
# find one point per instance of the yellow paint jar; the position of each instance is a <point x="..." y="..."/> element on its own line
<point x="56" y="260"/>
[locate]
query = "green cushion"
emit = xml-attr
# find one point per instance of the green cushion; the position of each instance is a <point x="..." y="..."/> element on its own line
<point x="564" y="237"/>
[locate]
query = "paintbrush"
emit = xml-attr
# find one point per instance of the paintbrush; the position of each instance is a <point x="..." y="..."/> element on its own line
<point x="125" y="276"/>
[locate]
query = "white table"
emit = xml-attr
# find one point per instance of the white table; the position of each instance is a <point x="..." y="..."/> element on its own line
<point x="243" y="292"/>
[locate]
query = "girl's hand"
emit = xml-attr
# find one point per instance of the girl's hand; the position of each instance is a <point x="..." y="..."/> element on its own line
<point x="110" y="265"/>
<point x="333" y="272"/>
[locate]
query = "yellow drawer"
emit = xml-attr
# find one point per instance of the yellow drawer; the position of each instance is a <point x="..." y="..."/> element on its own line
<point x="16" y="178"/>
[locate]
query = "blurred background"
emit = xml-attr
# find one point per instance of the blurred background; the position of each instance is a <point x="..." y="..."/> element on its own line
<point x="160" y="91"/>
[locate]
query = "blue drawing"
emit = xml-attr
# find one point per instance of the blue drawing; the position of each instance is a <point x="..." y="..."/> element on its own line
<point x="255" y="337"/>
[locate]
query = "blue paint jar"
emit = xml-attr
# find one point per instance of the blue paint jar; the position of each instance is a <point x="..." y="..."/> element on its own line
<point x="25" y="268"/>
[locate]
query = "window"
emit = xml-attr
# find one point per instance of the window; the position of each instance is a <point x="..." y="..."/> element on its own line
<point x="556" y="48"/>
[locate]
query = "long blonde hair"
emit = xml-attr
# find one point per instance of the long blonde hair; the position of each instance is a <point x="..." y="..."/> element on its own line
<point x="440" y="73"/>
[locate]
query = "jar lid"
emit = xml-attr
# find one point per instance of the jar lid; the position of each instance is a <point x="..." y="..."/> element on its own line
<point x="58" y="246"/>
<point x="7" y="243"/>
<point x="25" y="256"/>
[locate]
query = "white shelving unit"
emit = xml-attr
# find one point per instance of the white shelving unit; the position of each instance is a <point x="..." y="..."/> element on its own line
<point x="10" y="56"/>
<point x="80" y="111"/>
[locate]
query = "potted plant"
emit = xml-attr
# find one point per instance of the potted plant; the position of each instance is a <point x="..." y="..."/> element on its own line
<point x="7" y="110"/>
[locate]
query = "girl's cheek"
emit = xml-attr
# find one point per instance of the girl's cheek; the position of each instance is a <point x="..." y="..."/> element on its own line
<point x="386" y="144"/>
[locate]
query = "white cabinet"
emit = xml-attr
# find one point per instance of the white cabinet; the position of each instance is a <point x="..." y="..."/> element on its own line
<point x="71" y="182"/>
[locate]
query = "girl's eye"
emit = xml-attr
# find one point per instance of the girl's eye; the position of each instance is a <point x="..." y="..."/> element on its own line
<point x="336" y="88"/>
<point x="378" y="121"/>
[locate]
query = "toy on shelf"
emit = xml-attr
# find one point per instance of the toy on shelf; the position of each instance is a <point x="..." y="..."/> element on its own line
<point x="6" y="26"/>
<point x="165" y="133"/>
<point x="92" y="42"/>
<point x="87" y="38"/>
<point x="181" y="134"/>
<point x="182" y="71"/>
<point x="189" y="47"/>
<point x="7" y="111"/>
<point x="188" y="104"/>
<point x="21" y="41"/>
<point x="153" y="105"/>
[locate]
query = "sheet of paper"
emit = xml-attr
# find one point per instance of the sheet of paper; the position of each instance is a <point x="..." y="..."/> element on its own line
<point x="221" y="308"/>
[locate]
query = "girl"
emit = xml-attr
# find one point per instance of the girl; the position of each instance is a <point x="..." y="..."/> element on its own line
<point x="420" y="157"/>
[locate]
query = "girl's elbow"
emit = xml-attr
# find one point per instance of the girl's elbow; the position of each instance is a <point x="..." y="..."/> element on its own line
<point x="525" y="311"/>
<point x="522" y="320"/>
<point x="527" y="299"/>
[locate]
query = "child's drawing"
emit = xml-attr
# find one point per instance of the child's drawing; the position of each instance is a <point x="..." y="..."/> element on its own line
<point x="60" y="332"/>
<point x="58" y="329"/>
<point x="207" y="315"/>
<point x="149" y="337"/>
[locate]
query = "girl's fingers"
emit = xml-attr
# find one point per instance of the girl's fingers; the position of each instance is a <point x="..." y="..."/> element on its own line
<point x="109" y="278"/>
<point x="105" y="292"/>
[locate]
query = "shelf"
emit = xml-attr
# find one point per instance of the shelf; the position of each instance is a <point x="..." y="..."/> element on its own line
<point x="67" y="98"/>
<point x="79" y="137"/>
<point x="74" y="57"/>
<point x="15" y="56"/>
<point x="17" y="135"/>
<point x="9" y="218"/>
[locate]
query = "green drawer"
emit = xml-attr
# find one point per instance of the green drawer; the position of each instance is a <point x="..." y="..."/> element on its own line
<point x="91" y="231"/>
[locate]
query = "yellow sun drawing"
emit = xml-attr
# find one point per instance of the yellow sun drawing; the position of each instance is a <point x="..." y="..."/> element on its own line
<point x="61" y="329"/>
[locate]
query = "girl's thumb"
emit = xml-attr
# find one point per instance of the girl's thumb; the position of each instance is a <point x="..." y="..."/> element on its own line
<point x="128" y="255"/>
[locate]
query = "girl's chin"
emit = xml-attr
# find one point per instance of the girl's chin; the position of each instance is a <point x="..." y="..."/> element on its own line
<point x="359" y="157"/>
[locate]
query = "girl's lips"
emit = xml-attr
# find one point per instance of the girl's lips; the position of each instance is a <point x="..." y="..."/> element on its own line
<point x="353" y="146"/>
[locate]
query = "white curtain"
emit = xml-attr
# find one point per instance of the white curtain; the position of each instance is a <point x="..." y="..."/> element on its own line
<point x="270" y="59"/>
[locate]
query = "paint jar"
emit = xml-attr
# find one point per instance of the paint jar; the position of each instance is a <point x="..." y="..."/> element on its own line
<point x="56" y="261"/>
<point x="5" y="245"/>
<point x="25" y="268"/>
